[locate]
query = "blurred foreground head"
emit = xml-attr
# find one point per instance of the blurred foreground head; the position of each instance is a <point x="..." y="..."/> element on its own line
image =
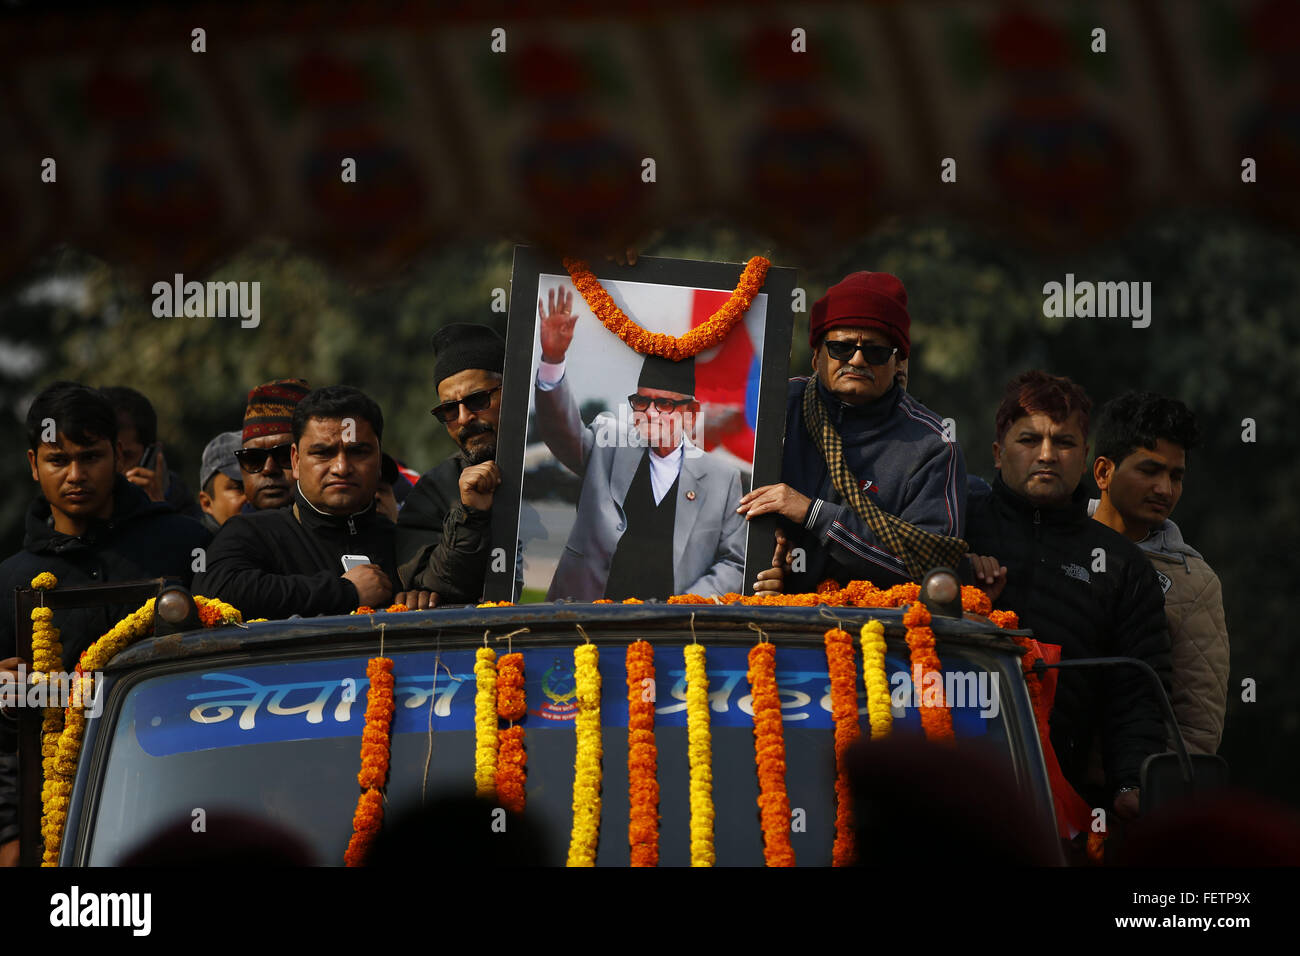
<point x="227" y="839"/>
<point x="1227" y="828"/>
<point x="458" y="830"/>
<point x="956" y="807"/>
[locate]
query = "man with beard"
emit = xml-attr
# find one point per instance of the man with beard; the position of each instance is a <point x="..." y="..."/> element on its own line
<point x="268" y="443"/>
<point x="444" y="528"/>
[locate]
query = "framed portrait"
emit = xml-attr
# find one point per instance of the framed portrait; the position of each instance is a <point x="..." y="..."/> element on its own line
<point x="622" y="471"/>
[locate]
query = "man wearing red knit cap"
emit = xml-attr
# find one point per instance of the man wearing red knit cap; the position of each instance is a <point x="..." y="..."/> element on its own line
<point x="871" y="486"/>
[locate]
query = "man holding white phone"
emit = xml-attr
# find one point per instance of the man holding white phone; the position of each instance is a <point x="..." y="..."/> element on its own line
<point x="330" y="551"/>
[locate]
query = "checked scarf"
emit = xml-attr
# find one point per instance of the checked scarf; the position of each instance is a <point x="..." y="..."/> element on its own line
<point x="918" y="549"/>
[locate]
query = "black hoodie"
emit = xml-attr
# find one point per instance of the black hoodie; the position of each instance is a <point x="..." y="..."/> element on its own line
<point x="278" y="562"/>
<point x="1087" y="588"/>
<point x="142" y="539"/>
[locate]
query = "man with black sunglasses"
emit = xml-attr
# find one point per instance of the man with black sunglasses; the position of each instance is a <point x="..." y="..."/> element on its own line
<point x="656" y="514"/>
<point x="873" y="485"/>
<point x="268" y="438"/>
<point x="444" y="527"/>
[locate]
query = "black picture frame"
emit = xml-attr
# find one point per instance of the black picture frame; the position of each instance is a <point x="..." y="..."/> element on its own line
<point x="530" y="265"/>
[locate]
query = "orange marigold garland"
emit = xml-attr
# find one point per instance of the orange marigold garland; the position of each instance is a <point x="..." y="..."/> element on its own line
<point x="703" y="336"/>
<point x="511" y="706"/>
<point x="769" y="751"/>
<point x="376" y="743"/>
<point x="642" y="756"/>
<point x="936" y="719"/>
<point x="844" y="711"/>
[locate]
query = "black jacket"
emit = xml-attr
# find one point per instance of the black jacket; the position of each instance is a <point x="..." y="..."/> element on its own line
<point x="142" y="539"/>
<point x="442" y="545"/>
<point x="279" y="562"/>
<point x="1087" y="588"/>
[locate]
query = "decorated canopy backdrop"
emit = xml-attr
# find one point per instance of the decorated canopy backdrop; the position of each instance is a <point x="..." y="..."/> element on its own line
<point x="171" y="159"/>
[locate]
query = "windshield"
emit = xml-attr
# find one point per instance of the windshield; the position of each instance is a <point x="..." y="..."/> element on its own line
<point x="281" y="742"/>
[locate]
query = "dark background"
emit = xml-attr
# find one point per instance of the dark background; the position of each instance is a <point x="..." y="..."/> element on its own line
<point x="1115" y="166"/>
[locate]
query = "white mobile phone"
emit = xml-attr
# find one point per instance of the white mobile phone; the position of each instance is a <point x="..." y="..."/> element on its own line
<point x="351" y="561"/>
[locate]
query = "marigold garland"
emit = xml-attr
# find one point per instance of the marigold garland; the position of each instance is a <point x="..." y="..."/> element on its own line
<point x="485" y="722"/>
<point x="586" y="769"/>
<point x="642" y="756"/>
<point x="376" y="746"/>
<point x="876" y="678"/>
<point x="769" y="752"/>
<point x="366" y="821"/>
<point x="844" y="711"/>
<point x="511" y="704"/>
<point x="376" y="734"/>
<point x="47" y="657"/>
<point x="60" y="758"/>
<point x="936" y="719"/>
<point x="511" y="769"/>
<point x="511" y="759"/>
<point x="699" y="755"/>
<point x="854" y="594"/>
<point x="703" y="336"/>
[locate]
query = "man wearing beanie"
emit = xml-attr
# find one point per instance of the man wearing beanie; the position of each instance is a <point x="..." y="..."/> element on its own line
<point x="871" y="487"/>
<point x="656" y="515"/>
<point x="267" y="438"/>
<point x="444" y="527"/>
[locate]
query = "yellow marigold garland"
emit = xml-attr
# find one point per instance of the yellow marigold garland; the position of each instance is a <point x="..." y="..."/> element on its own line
<point x="62" y="763"/>
<point x="769" y="752"/>
<point x="844" y="711"/>
<point x="642" y="756"/>
<point x="511" y="759"/>
<point x="700" y="755"/>
<point x="703" y="336"/>
<point x="586" y="771"/>
<point x="376" y="748"/>
<point x="936" y="720"/>
<point x="47" y="658"/>
<point x="485" y="722"/>
<point x="877" y="679"/>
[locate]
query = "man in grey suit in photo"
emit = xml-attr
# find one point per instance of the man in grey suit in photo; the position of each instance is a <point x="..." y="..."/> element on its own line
<point x="657" y="514"/>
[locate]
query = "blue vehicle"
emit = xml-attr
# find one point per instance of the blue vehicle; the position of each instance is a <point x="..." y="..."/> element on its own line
<point x="264" y="721"/>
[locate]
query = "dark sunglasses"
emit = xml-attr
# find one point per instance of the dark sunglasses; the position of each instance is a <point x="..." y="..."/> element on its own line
<point x="641" y="403"/>
<point x="448" y="412"/>
<point x="874" y="354"/>
<point x="253" y="460"/>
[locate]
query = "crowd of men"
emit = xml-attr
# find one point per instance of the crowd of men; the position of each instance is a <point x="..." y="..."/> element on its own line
<point x="302" y="512"/>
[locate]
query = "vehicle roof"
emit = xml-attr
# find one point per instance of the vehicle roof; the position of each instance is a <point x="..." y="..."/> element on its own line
<point x="551" y="623"/>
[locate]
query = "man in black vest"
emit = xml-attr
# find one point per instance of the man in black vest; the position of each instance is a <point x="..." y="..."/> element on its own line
<point x="657" y="514"/>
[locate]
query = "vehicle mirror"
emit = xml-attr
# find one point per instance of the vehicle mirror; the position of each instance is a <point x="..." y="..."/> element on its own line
<point x="1163" y="781"/>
